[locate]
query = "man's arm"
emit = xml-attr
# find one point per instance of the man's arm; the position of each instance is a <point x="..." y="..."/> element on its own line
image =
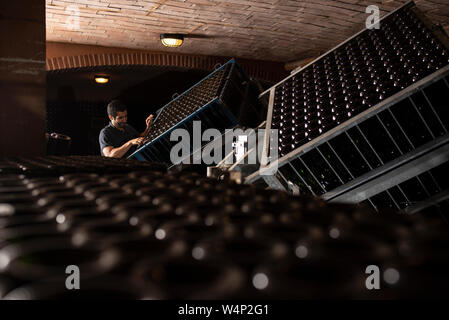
<point x="119" y="152"/>
<point x="143" y="134"/>
<point x="148" y="121"/>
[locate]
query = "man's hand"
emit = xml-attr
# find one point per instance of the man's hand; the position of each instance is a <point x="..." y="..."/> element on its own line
<point x="149" y="120"/>
<point x="136" y="141"/>
<point x="119" y="152"/>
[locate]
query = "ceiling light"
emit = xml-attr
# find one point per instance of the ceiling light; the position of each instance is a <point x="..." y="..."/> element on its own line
<point x="172" y="40"/>
<point x="101" y="79"/>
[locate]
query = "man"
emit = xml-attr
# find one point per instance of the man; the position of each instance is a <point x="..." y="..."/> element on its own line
<point x="119" y="139"/>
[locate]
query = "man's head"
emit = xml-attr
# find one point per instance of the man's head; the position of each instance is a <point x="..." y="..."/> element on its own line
<point x="117" y="113"/>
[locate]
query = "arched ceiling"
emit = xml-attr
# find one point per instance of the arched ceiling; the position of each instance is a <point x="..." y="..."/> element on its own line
<point x="274" y="30"/>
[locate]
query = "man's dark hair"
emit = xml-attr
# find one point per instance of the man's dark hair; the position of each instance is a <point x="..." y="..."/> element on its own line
<point x="115" y="106"/>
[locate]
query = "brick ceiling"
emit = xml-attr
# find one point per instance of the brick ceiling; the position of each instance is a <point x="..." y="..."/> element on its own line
<point x="277" y="30"/>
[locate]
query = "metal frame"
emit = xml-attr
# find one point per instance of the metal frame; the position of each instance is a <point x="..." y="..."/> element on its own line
<point x="354" y="121"/>
<point x="266" y="142"/>
<point x="274" y="182"/>
<point x="363" y="181"/>
<point x="435" y="199"/>
<point x="393" y="173"/>
<point x="430" y="197"/>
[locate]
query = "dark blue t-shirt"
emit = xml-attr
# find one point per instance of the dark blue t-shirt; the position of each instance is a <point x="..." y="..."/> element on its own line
<point x="111" y="136"/>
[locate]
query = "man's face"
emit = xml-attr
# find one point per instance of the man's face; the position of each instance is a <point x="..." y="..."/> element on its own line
<point x="120" y="119"/>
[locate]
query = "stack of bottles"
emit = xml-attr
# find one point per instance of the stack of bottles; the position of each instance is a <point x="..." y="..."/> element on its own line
<point x="357" y="75"/>
<point x="186" y="104"/>
<point x="56" y="165"/>
<point x="145" y="233"/>
<point x="220" y="101"/>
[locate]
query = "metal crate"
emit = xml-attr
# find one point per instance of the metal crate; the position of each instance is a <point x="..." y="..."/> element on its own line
<point x="215" y="101"/>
